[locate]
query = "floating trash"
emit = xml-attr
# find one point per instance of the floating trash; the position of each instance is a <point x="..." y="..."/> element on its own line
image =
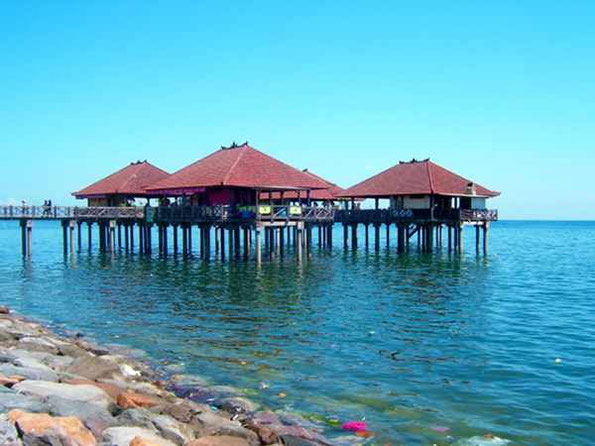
<point x="282" y="395"/>
<point x="440" y="428"/>
<point x="354" y="426"/>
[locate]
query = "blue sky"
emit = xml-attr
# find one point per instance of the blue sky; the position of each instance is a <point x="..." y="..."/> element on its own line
<point x="501" y="92"/>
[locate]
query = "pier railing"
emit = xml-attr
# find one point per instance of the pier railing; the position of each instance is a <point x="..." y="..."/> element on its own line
<point x="66" y="212"/>
<point x="383" y="216"/>
<point x="265" y="212"/>
<point x="36" y="212"/>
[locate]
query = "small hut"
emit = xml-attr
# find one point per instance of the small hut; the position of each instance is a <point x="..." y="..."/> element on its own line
<point x="236" y="175"/>
<point x="119" y="188"/>
<point x="422" y="186"/>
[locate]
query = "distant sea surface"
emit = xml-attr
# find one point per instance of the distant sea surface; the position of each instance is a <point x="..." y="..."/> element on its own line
<point x="412" y="343"/>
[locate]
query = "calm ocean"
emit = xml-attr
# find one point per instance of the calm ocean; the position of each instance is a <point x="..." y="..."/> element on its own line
<point x="412" y="343"/>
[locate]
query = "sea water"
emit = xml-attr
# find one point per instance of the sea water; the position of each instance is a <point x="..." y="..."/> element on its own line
<point x="427" y="348"/>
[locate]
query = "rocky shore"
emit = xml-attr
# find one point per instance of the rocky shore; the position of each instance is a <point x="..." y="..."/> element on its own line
<point x="66" y="391"/>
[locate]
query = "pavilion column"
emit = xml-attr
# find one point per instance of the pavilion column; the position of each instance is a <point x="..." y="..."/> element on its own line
<point x="477" y="237"/>
<point x="119" y="235"/>
<point x="127" y="236"/>
<point x="449" y="235"/>
<point x="367" y="235"/>
<point x="132" y="237"/>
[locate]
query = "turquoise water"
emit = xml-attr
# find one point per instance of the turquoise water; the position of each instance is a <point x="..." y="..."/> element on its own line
<point x="409" y="342"/>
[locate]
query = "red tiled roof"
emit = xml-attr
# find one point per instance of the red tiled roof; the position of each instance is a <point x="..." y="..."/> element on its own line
<point x="413" y="178"/>
<point x="238" y="166"/>
<point x="329" y="193"/>
<point x="131" y="180"/>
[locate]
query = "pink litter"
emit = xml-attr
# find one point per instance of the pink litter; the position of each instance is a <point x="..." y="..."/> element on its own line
<point x="354" y="426"/>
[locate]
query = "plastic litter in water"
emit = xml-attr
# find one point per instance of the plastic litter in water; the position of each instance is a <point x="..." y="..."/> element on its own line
<point x="354" y="426"/>
<point x="440" y="428"/>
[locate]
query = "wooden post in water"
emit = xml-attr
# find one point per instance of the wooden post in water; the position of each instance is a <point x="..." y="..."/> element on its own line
<point x="257" y="244"/>
<point x="65" y="236"/>
<point x="299" y="242"/>
<point x="449" y="238"/>
<point x="79" y="235"/>
<point x="460" y="238"/>
<point x="388" y="235"/>
<point x="222" y="242"/>
<point x="345" y="236"/>
<point x="175" y="235"/>
<point x="71" y="224"/>
<point x="367" y="235"/>
<point x="142" y="237"/>
<point x="486" y="231"/>
<point x="119" y="235"/>
<point x="354" y="236"/>
<point x="376" y="236"/>
<point x="132" y="237"/>
<point x="89" y="235"/>
<point x="477" y="234"/>
<point x="112" y="235"/>
<point x="184" y="239"/>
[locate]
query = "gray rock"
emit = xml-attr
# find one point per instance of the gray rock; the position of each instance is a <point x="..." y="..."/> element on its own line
<point x="38" y="344"/>
<point x="121" y="436"/>
<point x="8" y="433"/>
<point x="96" y="417"/>
<point x="136" y="417"/>
<point x="215" y="424"/>
<point x="34" y="373"/>
<point x="164" y="425"/>
<point x="237" y="405"/>
<point x="80" y="393"/>
<point x="172" y="430"/>
<point x="93" y="367"/>
<point x="9" y="400"/>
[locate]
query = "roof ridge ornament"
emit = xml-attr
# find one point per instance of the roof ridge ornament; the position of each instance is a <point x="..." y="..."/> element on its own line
<point x="234" y="145"/>
<point x="415" y="161"/>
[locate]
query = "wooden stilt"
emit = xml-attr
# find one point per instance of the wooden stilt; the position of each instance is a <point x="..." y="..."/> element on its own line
<point x="376" y="237"/>
<point x="486" y="231"/>
<point x="79" y="236"/>
<point x="89" y="235"/>
<point x="257" y="246"/>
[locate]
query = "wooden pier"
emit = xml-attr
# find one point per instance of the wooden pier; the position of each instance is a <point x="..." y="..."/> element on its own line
<point x="246" y="232"/>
